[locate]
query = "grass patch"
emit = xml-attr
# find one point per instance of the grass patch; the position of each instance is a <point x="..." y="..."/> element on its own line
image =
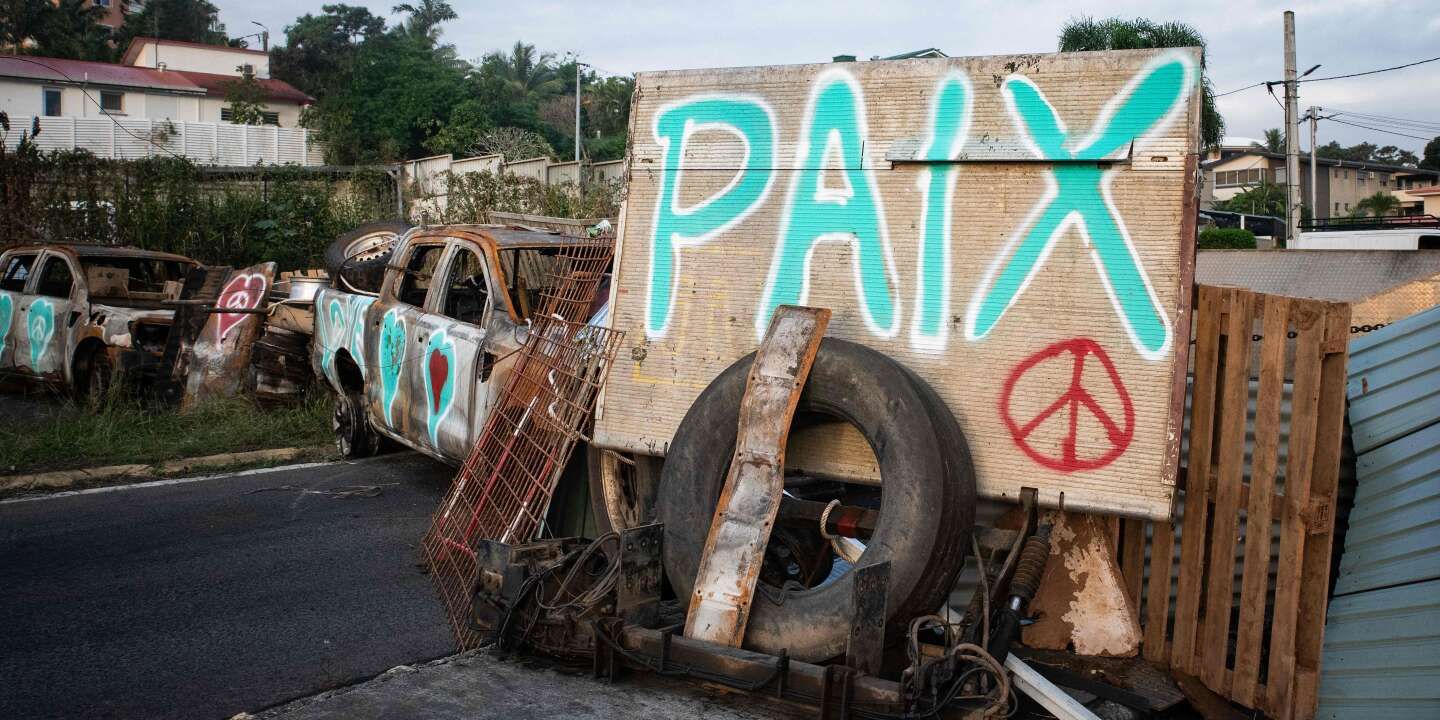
<point x="122" y="431"/>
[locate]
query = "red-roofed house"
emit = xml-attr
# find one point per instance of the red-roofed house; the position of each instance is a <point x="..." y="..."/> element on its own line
<point x="158" y="81"/>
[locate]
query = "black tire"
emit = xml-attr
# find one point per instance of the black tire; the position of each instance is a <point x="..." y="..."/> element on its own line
<point x="354" y="437"/>
<point x="98" y="375"/>
<point x="360" y="256"/>
<point x="928" y="493"/>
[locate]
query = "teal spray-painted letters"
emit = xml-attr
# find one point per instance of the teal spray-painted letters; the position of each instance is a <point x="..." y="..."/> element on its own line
<point x="834" y="126"/>
<point x="949" y="126"/>
<point x="677" y="227"/>
<point x="1078" y="196"/>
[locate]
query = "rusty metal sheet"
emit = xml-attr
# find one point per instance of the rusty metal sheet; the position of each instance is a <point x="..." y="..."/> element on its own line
<point x="220" y="355"/>
<point x="735" y="548"/>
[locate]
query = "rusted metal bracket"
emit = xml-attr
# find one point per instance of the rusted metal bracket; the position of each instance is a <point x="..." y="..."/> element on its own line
<point x="735" y="547"/>
<point x="640" y="567"/>
<point x="865" y="650"/>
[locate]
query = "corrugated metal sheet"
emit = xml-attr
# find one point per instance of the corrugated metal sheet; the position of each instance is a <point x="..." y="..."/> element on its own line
<point x="1382" y="636"/>
<point x="1394" y="383"/>
<point x="1382" y="655"/>
<point x="1346" y="275"/>
<point x="1394" y="532"/>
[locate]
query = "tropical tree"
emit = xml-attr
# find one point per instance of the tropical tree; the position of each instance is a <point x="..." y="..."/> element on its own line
<point x="195" y="21"/>
<point x="529" y="74"/>
<point x="1380" y="204"/>
<point x="1432" y="154"/>
<point x="246" y="100"/>
<point x="425" y="17"/>
<point x="1088" y="34"/>
<point x="1274" y="141"/>
<point x="1262" y="198"/>
<point x="63" y="29"/>
<point x="514" y="143"/>
<point x="319" y="50"/>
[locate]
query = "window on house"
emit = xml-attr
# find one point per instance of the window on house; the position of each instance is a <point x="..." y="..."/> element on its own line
<point x="102" y="3"/>
<point x="1347" y="207"/>
<point x="112" y="102"/>
<point x="55" y="278"/>
<point x="52" y="102"/>
<point x="1337" y="208"/>
<point x="269" y="118"/>
<point x="17" y="271"/>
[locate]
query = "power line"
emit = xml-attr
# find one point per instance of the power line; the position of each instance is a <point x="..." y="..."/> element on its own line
<point x="1239" y="90"/>
<point x="1372" y="72"/>
<point x="1332" y="77"/>
<point x="92" y="99"/>
<point x="1367" y="127"/>
<point x="1403" y="123"/>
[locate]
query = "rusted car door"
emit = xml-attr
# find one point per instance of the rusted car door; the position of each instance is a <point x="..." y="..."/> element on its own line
<point x="451" y="373"/>
<point x="17" y="269"/>
<point x="50" y="313"/>
<point x="400" y="341"/>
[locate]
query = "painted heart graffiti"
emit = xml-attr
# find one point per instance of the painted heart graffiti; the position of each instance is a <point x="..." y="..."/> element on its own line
<point x="242" y="292"/>
<point x="40" y="329"/>
<point x="391" y="361"/>
<point x="7" y="318"/>
<point x="440" y="369"/>
<point x="358" y="309"/>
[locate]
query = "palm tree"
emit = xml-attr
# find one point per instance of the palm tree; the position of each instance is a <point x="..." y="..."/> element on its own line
<point x="1087" y="34"/>
<point x="1274" y="141"/>
<point x="426" y="16"/>
<point x="530" y="75"/>
<point x="1380" y="204"/>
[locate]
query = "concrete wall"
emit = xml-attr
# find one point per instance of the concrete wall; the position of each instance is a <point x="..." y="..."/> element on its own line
<point x="906" y="197"/>
<point x="204" y="143"/>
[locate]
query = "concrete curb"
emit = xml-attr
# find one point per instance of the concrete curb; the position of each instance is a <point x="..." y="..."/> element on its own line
<point x="68" y="478"/>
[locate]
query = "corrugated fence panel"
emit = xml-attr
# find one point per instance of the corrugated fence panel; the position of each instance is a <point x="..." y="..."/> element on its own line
<point x="1394" y="383"/>
<point x="1382" y="655"/>
<point x="1382" y="640"/>
<point x="1394" y="533"/>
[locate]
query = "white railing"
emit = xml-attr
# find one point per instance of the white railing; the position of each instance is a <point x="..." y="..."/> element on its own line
<point x="204" y="143"/>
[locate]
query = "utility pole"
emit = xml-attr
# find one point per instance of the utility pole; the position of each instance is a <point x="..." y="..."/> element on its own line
<point x="1292" y="135"/>
<point x="1313" y="114"/>
<point x="578" y="65"/>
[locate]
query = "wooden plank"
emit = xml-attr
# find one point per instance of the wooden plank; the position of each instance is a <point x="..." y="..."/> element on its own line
<point x="1304" y="407"/>
<point x="1230" y="467"/>
<point x="1264" y="460"/>
<point x="1157" y="608"/>
<point x="1132" y="558"/>
<point x="735" y="547"/>
<point x="1324" y="485"/>
<point x="1202" y="418"/>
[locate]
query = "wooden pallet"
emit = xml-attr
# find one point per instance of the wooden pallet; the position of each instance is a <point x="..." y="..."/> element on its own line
<point x="1265" y="652"/>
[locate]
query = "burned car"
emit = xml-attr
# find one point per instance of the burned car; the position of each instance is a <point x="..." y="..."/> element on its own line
<point x="71" y="315"/>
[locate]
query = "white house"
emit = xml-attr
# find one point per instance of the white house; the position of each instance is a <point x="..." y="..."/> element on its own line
<point x="159" y="84"/>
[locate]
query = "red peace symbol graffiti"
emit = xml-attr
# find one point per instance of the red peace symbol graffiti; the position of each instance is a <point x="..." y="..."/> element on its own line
<point x="1074" y="400"/>
<point x="242" y="292"/>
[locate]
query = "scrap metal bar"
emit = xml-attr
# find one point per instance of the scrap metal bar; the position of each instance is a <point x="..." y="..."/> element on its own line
<point x="735" y="548"/>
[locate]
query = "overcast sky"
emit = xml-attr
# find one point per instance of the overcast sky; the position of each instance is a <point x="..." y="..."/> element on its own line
<point x="1245" y="40"/>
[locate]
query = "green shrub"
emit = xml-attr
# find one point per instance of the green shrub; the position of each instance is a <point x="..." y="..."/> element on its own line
<point x="1214" y="238"/>
<point x="285" y="214"/>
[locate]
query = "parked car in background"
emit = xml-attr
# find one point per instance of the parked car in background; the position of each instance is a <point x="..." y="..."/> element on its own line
<point x="72" y="314"/>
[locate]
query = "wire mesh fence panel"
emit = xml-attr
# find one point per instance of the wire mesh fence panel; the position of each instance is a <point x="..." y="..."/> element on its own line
<point x="503" y="490"/>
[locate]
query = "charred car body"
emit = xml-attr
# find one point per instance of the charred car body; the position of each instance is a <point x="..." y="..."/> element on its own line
<point x="422" y="359"/>
<point x="70" y="315"/>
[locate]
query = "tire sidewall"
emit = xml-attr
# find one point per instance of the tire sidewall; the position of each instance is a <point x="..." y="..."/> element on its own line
<point x="874" y="394"/>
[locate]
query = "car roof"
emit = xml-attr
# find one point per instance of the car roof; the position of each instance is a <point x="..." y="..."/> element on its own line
<point x="84" y="250"/>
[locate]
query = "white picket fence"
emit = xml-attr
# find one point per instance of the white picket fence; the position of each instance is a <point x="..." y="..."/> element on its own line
<point x="204" y="143"/>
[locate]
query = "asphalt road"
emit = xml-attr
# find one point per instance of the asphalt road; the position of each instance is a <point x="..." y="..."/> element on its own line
<point x="203" y="599"/>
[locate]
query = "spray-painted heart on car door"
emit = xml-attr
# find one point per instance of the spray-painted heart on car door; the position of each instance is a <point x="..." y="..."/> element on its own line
<point x="391" y="361"/>
<point x="7" y="318"/>
<point x="439" y="372"/>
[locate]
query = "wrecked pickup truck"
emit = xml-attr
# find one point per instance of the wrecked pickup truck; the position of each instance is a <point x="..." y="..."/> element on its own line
<point x="421" y="359"/>
<point x="71" y="315"/>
